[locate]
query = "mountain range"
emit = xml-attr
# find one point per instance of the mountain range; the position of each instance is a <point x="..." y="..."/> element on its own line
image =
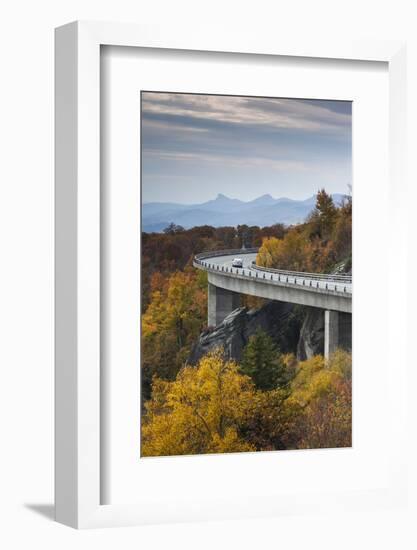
<point x="221" y="211"/>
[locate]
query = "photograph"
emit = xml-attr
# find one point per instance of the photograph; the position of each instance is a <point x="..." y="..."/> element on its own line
<point x="246" y="274"/>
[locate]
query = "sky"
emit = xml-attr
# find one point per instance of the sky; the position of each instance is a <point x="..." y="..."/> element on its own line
<point x="197" y="146"/>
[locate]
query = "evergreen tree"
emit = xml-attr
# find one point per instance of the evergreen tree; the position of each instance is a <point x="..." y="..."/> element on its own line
<point x="326" y="212"/>
<point x="263" y="363"/>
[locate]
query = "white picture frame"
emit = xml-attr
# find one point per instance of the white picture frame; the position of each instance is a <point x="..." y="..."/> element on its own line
<point x="77" y="242"/>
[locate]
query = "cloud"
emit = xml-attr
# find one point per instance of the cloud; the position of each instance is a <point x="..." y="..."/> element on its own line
<point x="195" y="146"/>
<point x="232" y="160"/>
<point x="250" y="111"/>
<point x="170" y="127"/>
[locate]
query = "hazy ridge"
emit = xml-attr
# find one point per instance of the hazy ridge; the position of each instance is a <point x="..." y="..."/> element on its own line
<point x="221" y="211"/>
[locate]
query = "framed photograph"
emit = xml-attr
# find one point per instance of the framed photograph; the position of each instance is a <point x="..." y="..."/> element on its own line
<point x="222" y="348"/>
<point x="246" y="298"/>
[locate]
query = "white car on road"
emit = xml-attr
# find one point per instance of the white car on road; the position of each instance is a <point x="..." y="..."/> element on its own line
<point x="237" y="262"/>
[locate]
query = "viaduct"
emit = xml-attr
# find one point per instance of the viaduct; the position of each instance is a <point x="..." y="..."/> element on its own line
<point x="331" y="293"/>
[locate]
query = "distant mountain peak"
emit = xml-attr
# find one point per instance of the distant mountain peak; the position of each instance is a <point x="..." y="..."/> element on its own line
<point x="264" y="199"/>
<point x="225" y="211"/>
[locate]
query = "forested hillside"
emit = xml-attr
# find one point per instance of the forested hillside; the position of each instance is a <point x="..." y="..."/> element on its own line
<point x="320" y="245"/>
<point x="268" y="400"/>
<point x="173" y="250"/>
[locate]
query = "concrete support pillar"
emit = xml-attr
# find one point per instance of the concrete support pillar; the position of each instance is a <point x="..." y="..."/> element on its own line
<point x="331" y="332"/>
<point x="220" y="303"/>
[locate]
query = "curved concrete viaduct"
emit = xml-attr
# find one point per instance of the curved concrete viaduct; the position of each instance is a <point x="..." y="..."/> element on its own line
<point x="331" y="293"/>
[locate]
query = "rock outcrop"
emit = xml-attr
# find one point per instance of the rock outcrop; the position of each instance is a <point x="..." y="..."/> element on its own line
<point x="294" y="329"/>
<point x="311" y="341"/>
<point x="278" y="319"/>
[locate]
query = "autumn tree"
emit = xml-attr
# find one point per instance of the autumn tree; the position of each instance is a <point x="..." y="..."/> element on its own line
<point x="200" y="412"/>
<point x="157" y="281"/>
<point x="268" y="253"/>
<point x="321" y="244"/>
<point x="173" y="320"/>
<point x="214" y="408"/>
<point x="269" y="423"/>
<point x="291" y="252"/>
<point x="262" y="362"/>
<point x="321" y="394"/>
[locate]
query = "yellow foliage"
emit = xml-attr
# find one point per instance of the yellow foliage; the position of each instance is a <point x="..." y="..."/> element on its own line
<point x="315" y="246"/>
<point x="181" y="302"/>
<point x="323" y="390"/>
<point x="176" y="314"/>
<point x="291" y="252"/>
<point x="199" y="412"/>
<point x="213" y="408"/>
<point x="289" y="360"/>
